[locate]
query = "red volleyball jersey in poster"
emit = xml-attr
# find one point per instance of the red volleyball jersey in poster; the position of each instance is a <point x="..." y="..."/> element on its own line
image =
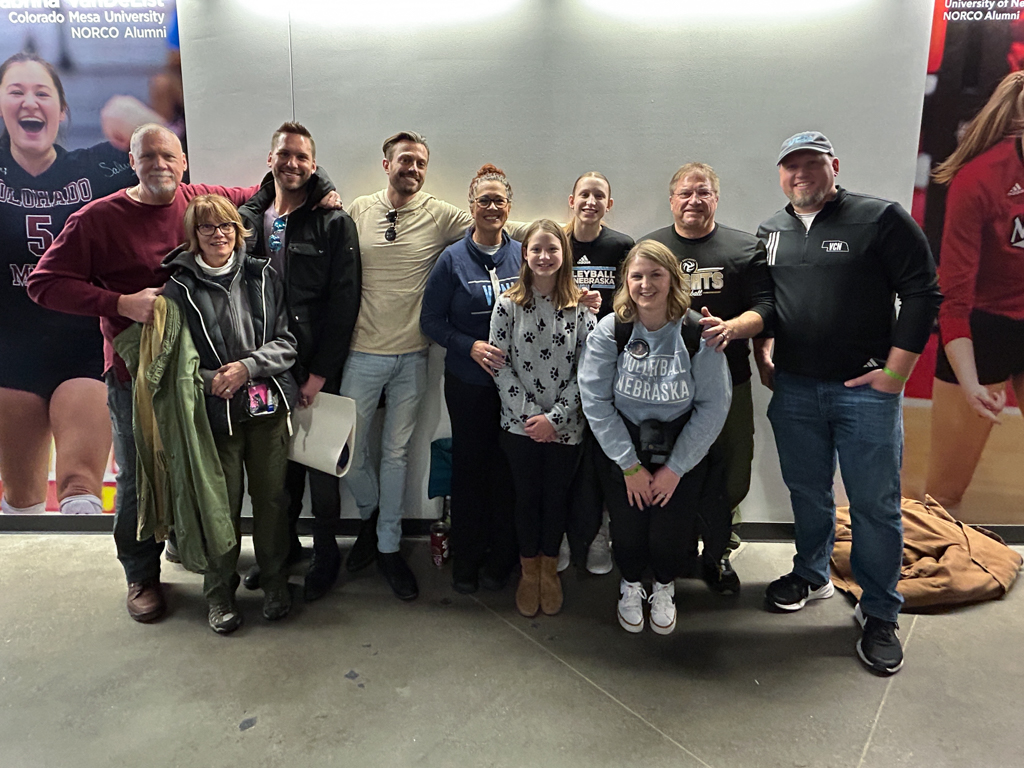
<point x="983" y="240"/>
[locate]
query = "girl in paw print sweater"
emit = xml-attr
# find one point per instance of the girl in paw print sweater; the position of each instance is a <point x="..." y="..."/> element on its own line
<point x="541" y="326"/>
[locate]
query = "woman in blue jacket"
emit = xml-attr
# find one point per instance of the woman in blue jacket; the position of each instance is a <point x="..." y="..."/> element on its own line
<point x="460" y="293"/>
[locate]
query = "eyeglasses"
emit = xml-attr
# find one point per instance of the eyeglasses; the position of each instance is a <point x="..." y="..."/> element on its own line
<point x="702" y="193"/>
<point x="487" y="202"/>
<point x="276" y="239"/>
<point x="208" y="229"/>
<point x="391" y="233"/>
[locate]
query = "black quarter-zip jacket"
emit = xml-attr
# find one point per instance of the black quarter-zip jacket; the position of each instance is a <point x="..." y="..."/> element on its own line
<point x="835" y="286"/>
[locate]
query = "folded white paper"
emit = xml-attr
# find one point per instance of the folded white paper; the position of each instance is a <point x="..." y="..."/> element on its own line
<point x="323" y="434"/>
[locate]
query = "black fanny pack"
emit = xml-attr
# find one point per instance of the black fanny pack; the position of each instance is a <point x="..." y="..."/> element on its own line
<point x="653" y="439"/>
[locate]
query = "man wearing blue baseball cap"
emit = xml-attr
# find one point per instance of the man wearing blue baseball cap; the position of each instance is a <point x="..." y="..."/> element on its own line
<point x="841" y="357"/>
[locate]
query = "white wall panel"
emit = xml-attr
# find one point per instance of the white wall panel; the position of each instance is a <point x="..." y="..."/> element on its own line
<point x="547" y="89"/>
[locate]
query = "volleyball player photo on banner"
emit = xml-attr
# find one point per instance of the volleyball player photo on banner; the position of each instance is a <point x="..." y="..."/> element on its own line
<point x="964" y="431"/>
<point x="74" y="83"/>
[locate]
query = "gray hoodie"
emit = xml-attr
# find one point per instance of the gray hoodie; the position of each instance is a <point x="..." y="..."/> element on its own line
<point x="664" y="385"/>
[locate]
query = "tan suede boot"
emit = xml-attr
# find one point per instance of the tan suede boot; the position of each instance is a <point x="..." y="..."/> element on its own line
<point x="550" y="586"/>
<point x="528" y="591"/>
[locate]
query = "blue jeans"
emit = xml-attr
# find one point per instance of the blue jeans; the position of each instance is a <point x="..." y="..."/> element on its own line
<point x="813" y="421"/>
<point x="140" y="559"/>
<point x="403" y="379"/>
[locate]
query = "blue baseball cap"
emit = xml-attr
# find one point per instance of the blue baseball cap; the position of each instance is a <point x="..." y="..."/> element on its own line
<point x="812" y="140"/>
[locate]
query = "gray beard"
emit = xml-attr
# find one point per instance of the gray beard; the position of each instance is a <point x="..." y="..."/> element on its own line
<point x="809" y="200"/>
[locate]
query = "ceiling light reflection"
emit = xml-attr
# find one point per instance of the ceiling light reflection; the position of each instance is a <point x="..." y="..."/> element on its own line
<point x="760" y="10"/>
<point x="396" y="17"/>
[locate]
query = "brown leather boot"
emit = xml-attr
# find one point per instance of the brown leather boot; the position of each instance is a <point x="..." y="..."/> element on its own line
<point x="528" y="591"/>
<point x="550" y="586"/>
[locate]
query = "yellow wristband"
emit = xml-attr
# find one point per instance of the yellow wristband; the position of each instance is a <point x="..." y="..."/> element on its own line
<point x="631" y="471"/>
<point x="893" y="375"/>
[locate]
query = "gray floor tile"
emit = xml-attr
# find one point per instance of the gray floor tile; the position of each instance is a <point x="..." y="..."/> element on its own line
<point x="360" y="678"/>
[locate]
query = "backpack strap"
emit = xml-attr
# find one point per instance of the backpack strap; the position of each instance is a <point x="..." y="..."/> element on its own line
<point x="622" y="333"/>
<point x="689" y="329"/>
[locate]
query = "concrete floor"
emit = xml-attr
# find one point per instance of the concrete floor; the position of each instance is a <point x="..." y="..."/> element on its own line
<point x="360" y="679"/>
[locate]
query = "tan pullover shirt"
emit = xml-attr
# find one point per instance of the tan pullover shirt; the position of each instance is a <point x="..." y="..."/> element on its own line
<point x="395" y="273"/>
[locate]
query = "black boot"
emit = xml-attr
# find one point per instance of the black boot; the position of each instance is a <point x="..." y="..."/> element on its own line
<point x="364" y="551"/>
<point x="323" y="568"/>
<point x="296" y="554"/>
<point x="399" y="576"/>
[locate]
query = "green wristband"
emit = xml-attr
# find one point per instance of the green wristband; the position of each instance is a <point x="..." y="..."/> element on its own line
<point x="893" y="375"/>
<point x="631" y="471"/>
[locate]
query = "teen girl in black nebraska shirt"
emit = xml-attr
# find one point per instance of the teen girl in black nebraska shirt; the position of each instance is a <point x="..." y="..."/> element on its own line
<point x="597" y="253"/>
<point x="51" y="363"/>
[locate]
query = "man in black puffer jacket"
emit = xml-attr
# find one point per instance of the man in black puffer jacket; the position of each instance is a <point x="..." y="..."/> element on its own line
<point x="316" y="252"/>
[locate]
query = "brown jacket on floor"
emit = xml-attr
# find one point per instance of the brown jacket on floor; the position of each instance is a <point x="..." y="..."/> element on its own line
<point x="945" y="562"/>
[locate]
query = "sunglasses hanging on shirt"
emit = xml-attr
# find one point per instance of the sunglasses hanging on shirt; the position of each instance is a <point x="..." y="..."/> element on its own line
<point x="391" y="233"/>
<point x="275" y="240"/>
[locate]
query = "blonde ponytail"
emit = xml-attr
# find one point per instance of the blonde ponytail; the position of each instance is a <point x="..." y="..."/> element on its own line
<point x="1002" y="116"/>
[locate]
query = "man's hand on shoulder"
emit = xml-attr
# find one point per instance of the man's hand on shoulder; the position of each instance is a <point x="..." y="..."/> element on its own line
<point x="331" y="202"/>
<point x="139" y="306"/>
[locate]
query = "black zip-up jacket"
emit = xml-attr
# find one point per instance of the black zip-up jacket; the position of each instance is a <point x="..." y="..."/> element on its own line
<point x="835" y="285"/>
<point x="244" y="321"/>
<point x="323" y="279"/>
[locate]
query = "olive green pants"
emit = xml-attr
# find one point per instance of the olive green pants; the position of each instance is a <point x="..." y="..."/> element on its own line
<point x="257" y="450"/>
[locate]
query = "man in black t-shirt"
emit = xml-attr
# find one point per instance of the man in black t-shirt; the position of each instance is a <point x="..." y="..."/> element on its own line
<point x="730" y="285"/>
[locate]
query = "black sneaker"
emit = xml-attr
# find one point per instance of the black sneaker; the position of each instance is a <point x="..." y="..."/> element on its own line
<point x="398" y="575"/>
<point x="720" y="577"/>
<point x="791" y="592"/>
<point x="364" y="550"/>
<point x="879" y="647"/>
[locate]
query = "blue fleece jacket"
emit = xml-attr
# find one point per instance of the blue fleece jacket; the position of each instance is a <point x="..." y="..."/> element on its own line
<point x="459" y="297"/>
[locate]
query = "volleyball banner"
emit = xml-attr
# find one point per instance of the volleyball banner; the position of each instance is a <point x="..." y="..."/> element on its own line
<point x="77" y="77"/>
<point x="965" y="445"/>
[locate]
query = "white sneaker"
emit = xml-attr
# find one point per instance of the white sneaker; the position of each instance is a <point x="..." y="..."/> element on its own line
<point x="564" y="554"/>
<point x="599" y="556"/>
<point x="663" y="608"/>
<point x="631" y="605"/>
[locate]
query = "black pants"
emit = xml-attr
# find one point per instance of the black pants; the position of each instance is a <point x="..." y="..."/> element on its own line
<point x="586" y="499"/>
<point x="483" y="531"/>
<point x="324" y="495"/>
<point x="714" y="515"/>
<point x="654" y="536"/>
<point x="542" y="474"/>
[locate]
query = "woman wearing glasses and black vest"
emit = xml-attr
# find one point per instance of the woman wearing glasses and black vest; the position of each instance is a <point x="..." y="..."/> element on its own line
<point x="460" y="293"/>
<point x="656" y="399"/>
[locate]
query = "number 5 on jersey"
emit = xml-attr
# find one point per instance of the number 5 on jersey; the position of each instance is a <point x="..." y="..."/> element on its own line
<point x="39" y="237"/>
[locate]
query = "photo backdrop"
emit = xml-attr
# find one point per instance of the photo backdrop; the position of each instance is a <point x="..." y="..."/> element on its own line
<point x="119" y="64"/>
<point x="547" y="89"/>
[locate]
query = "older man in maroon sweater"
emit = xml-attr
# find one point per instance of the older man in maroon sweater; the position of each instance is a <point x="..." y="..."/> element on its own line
<point x="106" y="263"/>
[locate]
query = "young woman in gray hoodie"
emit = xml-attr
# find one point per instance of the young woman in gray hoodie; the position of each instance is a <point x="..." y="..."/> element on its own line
<point x="655" y="412"/>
